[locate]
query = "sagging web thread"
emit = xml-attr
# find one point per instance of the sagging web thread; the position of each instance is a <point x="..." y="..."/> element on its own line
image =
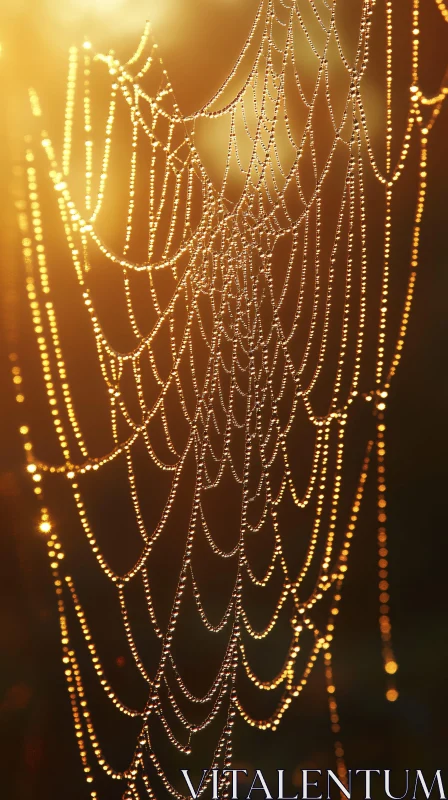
<point x="264" y="342"/>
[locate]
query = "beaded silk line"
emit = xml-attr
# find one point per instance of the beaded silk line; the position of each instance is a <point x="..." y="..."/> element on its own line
<point x="249" y="248"/>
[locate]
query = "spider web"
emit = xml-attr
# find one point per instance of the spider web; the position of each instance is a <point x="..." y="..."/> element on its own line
<point x="239" y="327"/>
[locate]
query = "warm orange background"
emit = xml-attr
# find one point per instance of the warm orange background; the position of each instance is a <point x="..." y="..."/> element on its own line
<point x="200" y="40"/>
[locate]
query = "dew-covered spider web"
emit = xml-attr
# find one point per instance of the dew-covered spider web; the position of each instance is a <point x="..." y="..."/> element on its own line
<point x="215" y="347"/>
